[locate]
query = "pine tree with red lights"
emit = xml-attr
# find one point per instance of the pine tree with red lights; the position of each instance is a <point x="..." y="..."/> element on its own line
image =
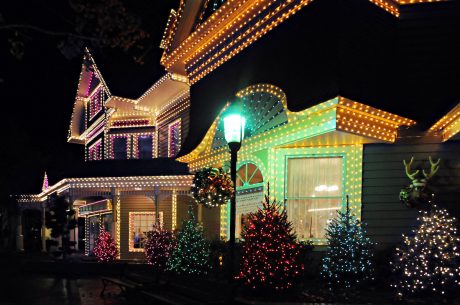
<point x="106" y="249"/>
<point x="270" y="255"/>
<point x="159" y="247"/>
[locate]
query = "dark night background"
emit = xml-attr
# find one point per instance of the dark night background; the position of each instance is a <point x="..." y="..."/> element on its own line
<point x="410" y="67"/>
<point x="37" y="92"/>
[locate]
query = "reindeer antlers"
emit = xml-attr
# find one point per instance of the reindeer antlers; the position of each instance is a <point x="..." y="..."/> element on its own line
<point x="408" y="166"/>
<point x="434" y="168"/>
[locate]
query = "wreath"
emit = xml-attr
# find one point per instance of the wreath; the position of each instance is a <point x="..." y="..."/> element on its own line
<point x="212" y="187"/>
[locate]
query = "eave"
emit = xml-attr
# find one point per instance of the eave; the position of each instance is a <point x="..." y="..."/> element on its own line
<point x="166" y="90"/>
<point x="230" y="16"/>
<point x="232" y="28"/>
<point x="81" y="98"/>
<point x="449" y="125"/>
<point x="339" y="121"/>
<point x="139" y="182"/>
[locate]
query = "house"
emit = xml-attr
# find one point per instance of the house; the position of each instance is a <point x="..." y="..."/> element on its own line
<point x="336" y="95"/>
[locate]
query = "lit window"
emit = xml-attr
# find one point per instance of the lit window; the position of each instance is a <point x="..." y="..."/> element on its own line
<point x="313" y="194"/>
<point x="95" y="151"/>
<point x="174" y="138"/>
<point x="139" y="224"/>
<point x="249" y="186"/>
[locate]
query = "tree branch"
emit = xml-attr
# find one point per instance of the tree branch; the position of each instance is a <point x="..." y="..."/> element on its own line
<point x="44" y="31"/>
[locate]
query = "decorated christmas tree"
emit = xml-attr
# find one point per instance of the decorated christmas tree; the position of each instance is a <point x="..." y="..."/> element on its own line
<point x="428" y="260"/>
<point x="159" y="247"/>
<point x="191" y="255"/>
<point x="348" y="262"/>
<point x="270" y="255"/>
<point x="106" y="248"/>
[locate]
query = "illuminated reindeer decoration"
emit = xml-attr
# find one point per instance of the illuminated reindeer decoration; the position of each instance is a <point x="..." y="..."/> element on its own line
<point x="416" y="194"/>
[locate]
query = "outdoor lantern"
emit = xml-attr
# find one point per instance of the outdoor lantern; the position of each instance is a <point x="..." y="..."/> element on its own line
<point x="234" y="124"/>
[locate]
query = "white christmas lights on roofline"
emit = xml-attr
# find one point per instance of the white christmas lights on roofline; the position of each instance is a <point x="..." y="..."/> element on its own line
<point x="109" y="182"/>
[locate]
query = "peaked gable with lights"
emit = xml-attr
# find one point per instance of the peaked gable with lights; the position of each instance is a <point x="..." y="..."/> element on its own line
<point x="112" y="127"/>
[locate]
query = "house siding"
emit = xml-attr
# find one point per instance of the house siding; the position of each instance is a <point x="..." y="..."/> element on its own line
<point x="136" y="203"/>
<point x="384" y="176"/>
<point x="166" y="118"/>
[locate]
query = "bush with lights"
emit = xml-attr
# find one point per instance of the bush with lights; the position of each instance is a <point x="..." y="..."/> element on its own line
<point x="270" y="255"/>
<point x="106" y="249"/>
<point x="192" y="253"/>
<point x="158" y="248"/>
<point x="348" y="263"/>
<point x="427" y="263"/>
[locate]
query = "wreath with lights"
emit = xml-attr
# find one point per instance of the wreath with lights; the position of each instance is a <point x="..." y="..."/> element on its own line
<point x="212" y="187"/>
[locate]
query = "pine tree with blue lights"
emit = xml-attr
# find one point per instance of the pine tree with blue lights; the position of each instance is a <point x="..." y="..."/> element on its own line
<point x="349" y="257"/>
<point x="192" y="252"/>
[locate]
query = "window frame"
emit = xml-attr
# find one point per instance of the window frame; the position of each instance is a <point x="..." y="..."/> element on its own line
<point x="179" y="123"/>
<point x="99" y="151"/>
<point x="99" y="90"/>
<point x="343" y="156"/>
<point x="131" y="227"/>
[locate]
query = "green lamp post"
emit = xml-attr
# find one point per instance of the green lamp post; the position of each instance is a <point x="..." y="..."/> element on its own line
<point x="234" y="124"/>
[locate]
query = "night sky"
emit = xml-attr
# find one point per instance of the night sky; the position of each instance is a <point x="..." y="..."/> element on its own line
<point x="37" y="92"/>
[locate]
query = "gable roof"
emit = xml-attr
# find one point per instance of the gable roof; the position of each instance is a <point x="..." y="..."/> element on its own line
<point x="89" y="74"/>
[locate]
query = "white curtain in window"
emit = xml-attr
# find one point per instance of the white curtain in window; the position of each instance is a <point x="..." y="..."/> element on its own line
<point x="314" y="194"/>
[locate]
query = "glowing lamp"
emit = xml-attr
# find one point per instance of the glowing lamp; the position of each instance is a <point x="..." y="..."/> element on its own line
<point x="234" y="124"/>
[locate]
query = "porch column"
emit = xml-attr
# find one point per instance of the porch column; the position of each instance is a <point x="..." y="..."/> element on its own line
<point x="200" y="213"/>
<point x="43" y="227"/>
<point x="113" y="196"/>
<point x="174" y="210"/>
<point x="75" y="237"/>
<point x="116" y="210"/>
<point x="19" y="236"/>
<point x="156" y="191"/>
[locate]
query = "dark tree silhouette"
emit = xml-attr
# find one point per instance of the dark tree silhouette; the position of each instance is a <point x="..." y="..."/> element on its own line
<point x="61" y="221"/>
<point x="96" y="24"/>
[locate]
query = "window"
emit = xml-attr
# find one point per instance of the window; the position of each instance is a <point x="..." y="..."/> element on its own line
<point x="95" y="103"/>
<point x="144" y="147"/>
<point x="313" y="194"/>
<point x="120" y="147"/>
<point x="174" y="138"/>
<point x="249" y="196"/>
<point x="139" y="224"/>
<point x="248" y="174"/>
<point x="95" y="151"/>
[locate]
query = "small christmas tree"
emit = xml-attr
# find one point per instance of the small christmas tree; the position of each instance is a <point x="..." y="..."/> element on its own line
<point x="159" y="247"/>
<point x="428" y="261"/>
<point x="191" y="256"/>
<point x="106" y="249"/>
<point x="349" y="256"/>
<point x="270" y="254"/>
